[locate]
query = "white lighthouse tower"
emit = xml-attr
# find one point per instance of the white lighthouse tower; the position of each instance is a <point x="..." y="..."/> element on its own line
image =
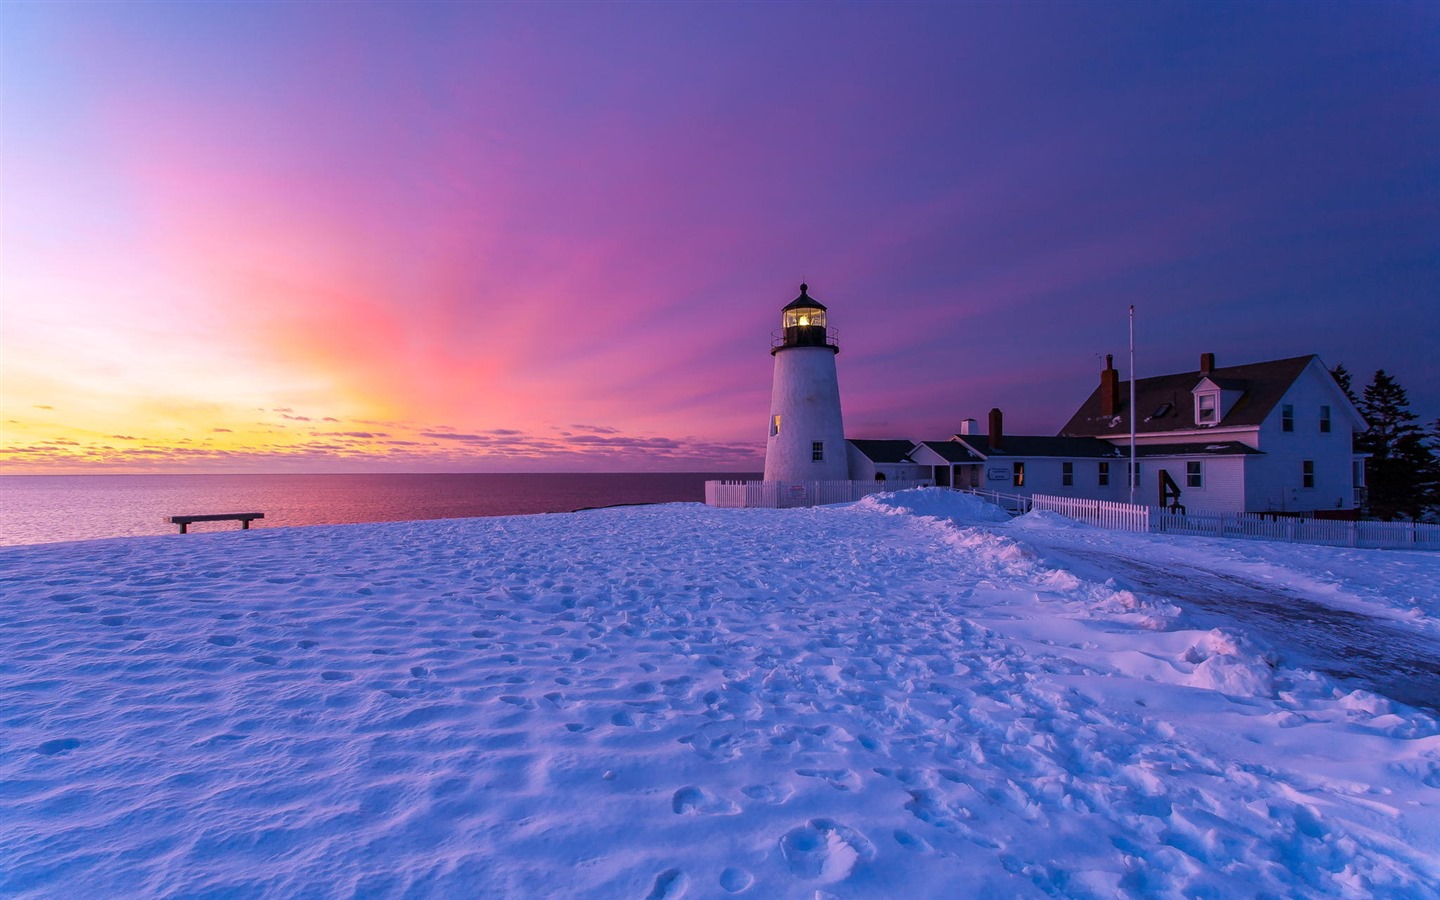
<point x="807" y="438"/>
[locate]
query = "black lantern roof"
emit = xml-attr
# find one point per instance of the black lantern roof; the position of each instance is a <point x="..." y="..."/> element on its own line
<point x="804" y="301"/>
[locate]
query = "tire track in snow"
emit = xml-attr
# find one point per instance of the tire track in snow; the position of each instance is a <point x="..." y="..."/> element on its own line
<point x="1359" y="650"/>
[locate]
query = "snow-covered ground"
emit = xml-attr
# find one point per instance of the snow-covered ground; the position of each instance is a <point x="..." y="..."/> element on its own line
<point x="910" y="696"/>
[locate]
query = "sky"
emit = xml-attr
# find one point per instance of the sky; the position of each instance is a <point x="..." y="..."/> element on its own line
<point x="331" y="237"/>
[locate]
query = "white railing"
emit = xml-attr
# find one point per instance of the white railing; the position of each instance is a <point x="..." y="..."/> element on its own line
<point x="1104" y="513"/>
<point x="1014" y="504"/>
<point x="1331" y="532"/>
<point x="788" y="494"/>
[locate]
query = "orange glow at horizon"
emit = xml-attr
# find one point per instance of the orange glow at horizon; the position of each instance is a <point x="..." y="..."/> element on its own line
<point x="487" y="237"/>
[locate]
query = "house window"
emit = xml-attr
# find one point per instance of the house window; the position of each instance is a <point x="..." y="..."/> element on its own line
<point x="774" y="425"/>
<point x="1324" y="420"/>
<point x="1307" y="473"/>
<point x="1019" y="479"/>
<point x="1067" y="474"/>
<point x="1357" y="472"/>
<point x="1205" y="409"/>
<point x="1134" y="469"/>
<point x="1195" y="474"/>
<point x="1104" y="474"/>
<point x="1287" y="417"/>
<point x="817" y="451"/>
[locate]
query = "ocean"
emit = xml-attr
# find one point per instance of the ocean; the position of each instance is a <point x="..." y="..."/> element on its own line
<point x="36" y="509"/>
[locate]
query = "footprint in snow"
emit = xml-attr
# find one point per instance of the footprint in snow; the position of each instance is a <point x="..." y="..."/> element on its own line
<point x="911" y="841"/>
<point x="736" y="880"/>
<point x="839" y="779"/>
<point x="669" y="885"/>
<point x="224" y="640"/>
<point x="825" y="851"/>
<point x="696" y="801"/>
<point x="768" y="793"/>
<point x="59" y="745"/>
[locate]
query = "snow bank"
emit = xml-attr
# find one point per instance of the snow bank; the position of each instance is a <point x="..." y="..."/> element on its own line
<point x="862" y="701"/>
<point x="937" y="503"/>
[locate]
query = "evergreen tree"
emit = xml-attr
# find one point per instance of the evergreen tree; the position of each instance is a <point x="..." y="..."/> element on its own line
<point x="1401" y="470"/>
<point x="1342" y="378"/>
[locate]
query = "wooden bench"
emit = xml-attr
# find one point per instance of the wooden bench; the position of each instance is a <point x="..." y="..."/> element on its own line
<point x="243" y="518"/>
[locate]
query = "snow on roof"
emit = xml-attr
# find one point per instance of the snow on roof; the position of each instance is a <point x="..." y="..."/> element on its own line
<point x="879" y="699"/>
<point x="1222" y="448"/>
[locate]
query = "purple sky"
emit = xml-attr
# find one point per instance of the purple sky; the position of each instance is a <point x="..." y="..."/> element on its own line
<point x="557" y="236"/>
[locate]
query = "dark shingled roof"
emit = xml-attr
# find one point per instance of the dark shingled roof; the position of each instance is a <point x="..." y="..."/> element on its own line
<point x="805" y="301"/>
<point x="1023" y="445"/>
<point x="885" y="451"/>
<point x="952" y="452"/>
<point x="1263" y="384"/>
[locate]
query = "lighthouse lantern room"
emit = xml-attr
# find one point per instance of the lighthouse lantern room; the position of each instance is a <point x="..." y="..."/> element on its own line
<point x="807" y="436"/>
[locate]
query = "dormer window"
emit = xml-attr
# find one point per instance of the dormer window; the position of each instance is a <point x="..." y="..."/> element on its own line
<point x="1215" y="398"/>
<point x="1206" y="407"/>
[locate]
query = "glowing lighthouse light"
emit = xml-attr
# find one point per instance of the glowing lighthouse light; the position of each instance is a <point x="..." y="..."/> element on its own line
<point x="805" y="398"/>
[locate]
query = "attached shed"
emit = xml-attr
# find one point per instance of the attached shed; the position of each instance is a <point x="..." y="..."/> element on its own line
<point x="950" y="464"/>
<point x="884" y="460"/>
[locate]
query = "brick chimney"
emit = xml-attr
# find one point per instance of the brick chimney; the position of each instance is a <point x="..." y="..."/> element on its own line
<point x="997" y="430"/>
<point x="1109" y="388"/>
<point x="1207" y="363"/>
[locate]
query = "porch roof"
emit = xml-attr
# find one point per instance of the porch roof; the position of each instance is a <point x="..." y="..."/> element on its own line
<point x="1029" y="445"/>
<point x="1211" y="448"/>
<point x="884" y="451"/>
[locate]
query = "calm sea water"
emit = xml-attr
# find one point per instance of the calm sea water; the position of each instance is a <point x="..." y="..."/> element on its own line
<point x="37" y="509"/>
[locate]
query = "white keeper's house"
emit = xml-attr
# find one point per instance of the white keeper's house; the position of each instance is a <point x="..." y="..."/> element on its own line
<point x="1262" y="437"/>
<point x="1270" y="436"/>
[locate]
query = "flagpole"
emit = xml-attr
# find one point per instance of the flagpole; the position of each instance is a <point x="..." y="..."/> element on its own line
<point x="1134" y="472"/>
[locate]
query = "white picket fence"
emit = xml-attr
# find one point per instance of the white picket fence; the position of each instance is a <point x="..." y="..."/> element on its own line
<point x="787" y="494"/>
<point x="1104" y="513"/>
<point x="1331" y="532"/>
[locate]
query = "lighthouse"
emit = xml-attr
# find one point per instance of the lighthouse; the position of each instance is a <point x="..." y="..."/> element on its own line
<point x="807" y="438"/>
